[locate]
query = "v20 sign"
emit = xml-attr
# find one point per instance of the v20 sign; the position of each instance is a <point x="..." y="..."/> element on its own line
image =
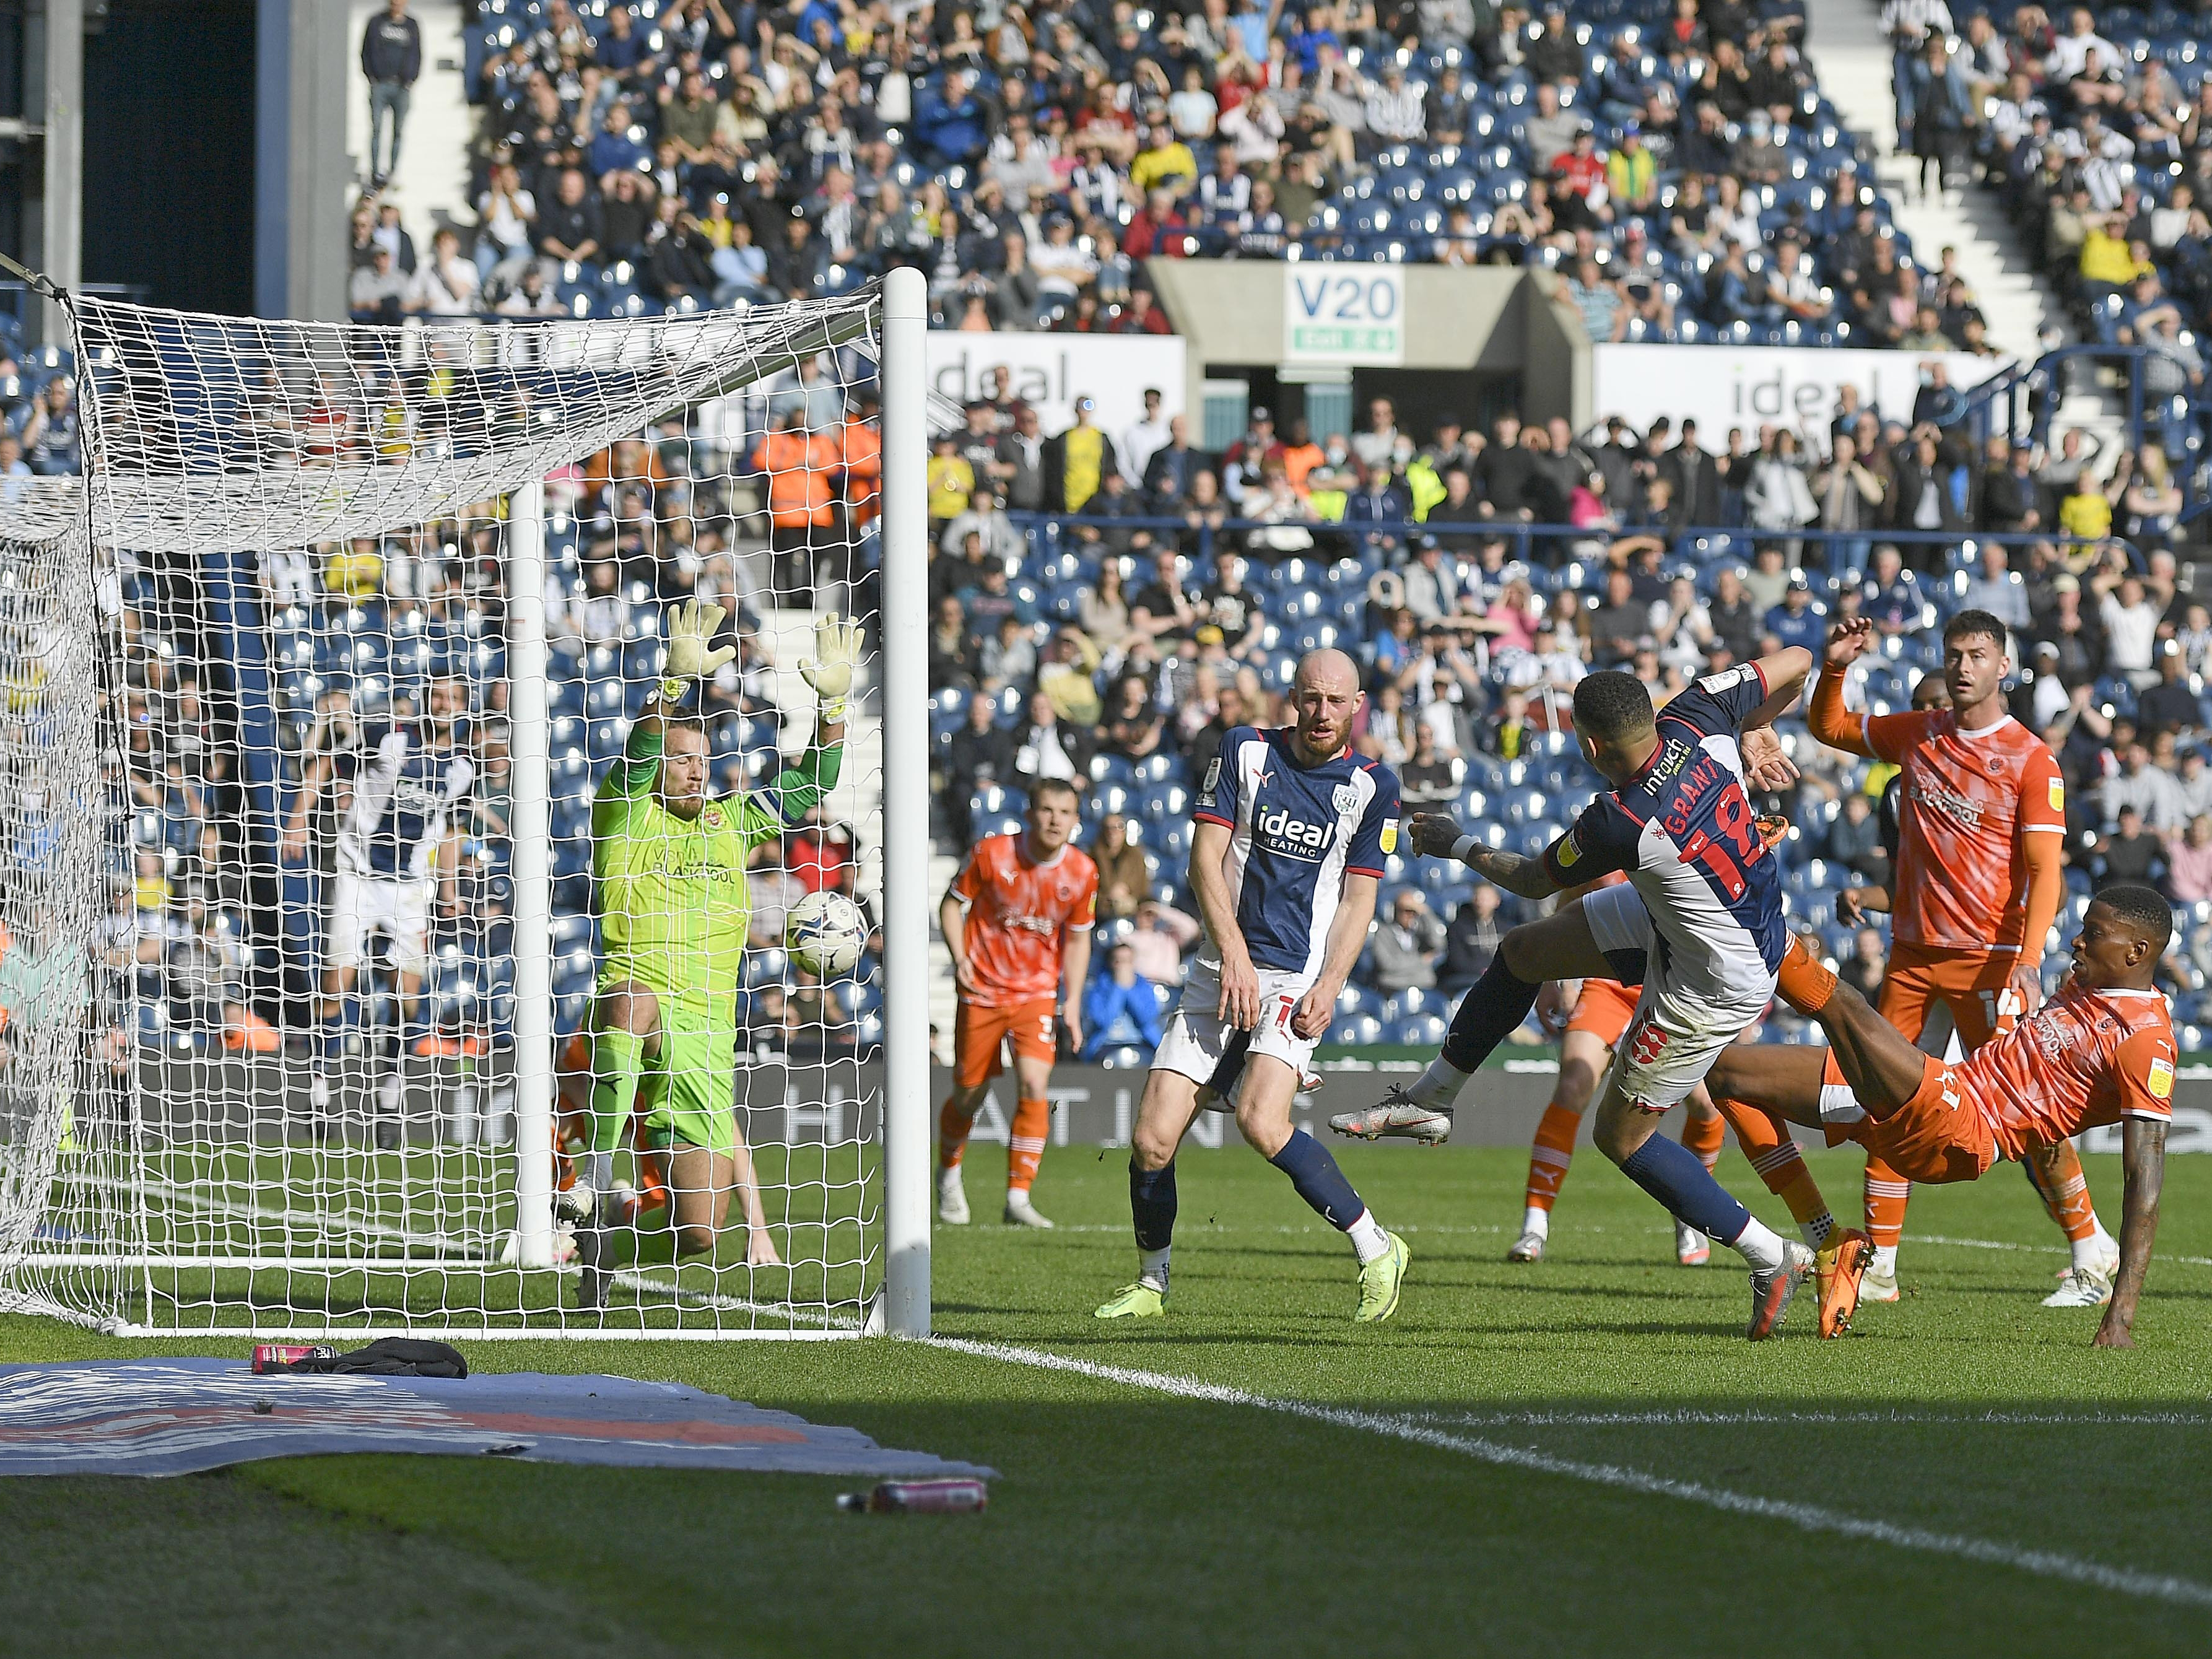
<point x="1339" y="313"/>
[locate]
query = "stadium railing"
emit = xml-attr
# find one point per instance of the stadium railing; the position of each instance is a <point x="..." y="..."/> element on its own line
<point x="1699" y="546"/>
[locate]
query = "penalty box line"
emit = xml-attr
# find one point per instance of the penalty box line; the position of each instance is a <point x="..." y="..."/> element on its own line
<point x="1808" y="1517"/>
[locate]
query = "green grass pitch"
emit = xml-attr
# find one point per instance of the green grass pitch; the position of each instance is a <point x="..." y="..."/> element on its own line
<point x="1134" y="1521"/>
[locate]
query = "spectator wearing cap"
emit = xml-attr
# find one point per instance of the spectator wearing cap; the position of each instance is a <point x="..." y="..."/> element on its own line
<point x="1244" y="462"/>
<point x="379" y="292"/>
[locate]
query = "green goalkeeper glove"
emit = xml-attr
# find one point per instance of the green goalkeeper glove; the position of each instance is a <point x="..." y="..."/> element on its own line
<point x="690" y="627"/>
<point x="829" y="670"/>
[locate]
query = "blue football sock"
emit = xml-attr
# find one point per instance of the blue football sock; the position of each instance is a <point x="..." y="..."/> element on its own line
<point x="1491" y="1011"/>
<point x="1319" y="1182"/>
<point x="1152" y="1204"/>
<point x="1671" y="1173"/>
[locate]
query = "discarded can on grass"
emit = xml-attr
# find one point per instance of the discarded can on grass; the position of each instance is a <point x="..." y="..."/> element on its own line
<point x="278" y="1356"/>
<point x="962" y="1497"/>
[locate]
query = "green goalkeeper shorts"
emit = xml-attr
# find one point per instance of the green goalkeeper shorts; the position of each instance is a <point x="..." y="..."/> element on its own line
<point x="685" y="1092"/>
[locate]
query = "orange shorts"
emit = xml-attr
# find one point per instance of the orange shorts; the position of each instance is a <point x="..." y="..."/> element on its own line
<point x="1939" y="1135"/>
<point x="1605" y="1010"/>
<point x="1974" y="985"/>
<point x="977" y="1033"/>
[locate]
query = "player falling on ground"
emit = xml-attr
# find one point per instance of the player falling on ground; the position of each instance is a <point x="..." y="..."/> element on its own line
<point x="1598" y="1010"/>
<point x="1016" y="920"/>
<point x="1703" y="908"/>
<point x="2099" y="1052"/>
<point x="572" y="1140"/>
<point x="408" y="776"/>
<point x="1982" y="823"/>
<point x="1290" y="830"/>
<point x="669" y="861"/>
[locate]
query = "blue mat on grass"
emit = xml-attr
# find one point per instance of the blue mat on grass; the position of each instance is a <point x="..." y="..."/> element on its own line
<point x="181" y="1416"/>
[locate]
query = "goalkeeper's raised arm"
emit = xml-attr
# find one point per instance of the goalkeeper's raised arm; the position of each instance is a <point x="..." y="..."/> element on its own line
<point x="670" y="863"/>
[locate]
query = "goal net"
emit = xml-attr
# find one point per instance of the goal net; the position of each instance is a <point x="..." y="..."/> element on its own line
<point x="351" y="894"/>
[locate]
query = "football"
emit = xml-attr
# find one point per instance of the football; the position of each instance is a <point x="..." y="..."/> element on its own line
<point x="824" y="933"/>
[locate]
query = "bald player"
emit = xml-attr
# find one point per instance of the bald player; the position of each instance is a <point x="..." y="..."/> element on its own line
<point x="1289" y="833"/>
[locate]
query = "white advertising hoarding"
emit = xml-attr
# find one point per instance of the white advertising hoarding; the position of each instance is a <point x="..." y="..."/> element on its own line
<point x="1344" y="314"/>
<point x="1751" y="387"/>
<point x="1051" y="371"/>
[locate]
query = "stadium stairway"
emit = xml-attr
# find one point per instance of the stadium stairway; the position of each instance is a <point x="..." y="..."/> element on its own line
<point x="1854" y="63"/>
<point x="432" y="186"/>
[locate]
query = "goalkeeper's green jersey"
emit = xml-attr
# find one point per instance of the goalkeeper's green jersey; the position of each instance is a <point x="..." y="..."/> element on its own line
<point x="674" y="903"/>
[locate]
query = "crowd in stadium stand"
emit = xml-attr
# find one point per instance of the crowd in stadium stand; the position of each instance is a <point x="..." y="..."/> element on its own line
<point x="1163" y="594"/>
<point x="1676" y="162"/>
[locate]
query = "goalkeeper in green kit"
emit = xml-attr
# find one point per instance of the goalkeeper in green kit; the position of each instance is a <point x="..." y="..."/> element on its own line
<point x="669" y="860"/>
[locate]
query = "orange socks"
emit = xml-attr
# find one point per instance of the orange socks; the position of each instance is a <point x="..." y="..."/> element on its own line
<point x="1025" y="1147"/>
<point x="1887" y="1194"/>
<point x="1805" y="985"/>
<point x="952" y="1136"/>
<point x="2065" y="1191"/>
<point x="1774" y="1158"/>
<point x="1549" y="1159"/>
<point x="1704" y="1136"/>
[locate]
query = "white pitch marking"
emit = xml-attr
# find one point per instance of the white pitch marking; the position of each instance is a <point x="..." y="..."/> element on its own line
<point x="2046" y="1564"/>
<point x="1692" y="1417"/>
<point x="2036" y="1249"/>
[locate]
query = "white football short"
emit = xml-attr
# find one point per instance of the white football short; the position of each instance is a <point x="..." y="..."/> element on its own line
<point x="1197" y="1037"/>
<point x="1677" y="1031"/>
<point x="362" y="905"/>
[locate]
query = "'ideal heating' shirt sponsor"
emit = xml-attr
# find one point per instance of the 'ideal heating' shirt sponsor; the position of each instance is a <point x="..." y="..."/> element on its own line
<point x="1684" y="833"/>
<point x="1296" y="832"/>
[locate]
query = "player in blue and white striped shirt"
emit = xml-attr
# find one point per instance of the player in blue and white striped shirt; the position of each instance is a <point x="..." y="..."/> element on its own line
<point x="1699" y="923"/>
<point x="1291" y="831"/>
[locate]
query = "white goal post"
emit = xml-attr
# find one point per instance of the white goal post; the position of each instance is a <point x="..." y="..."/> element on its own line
<point x="327" y="815"/>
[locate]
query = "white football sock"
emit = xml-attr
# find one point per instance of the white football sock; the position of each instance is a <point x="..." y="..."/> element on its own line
<point x="1816" y="1231"/>
<point x="1536" y="1221"/>
<point x="1884" y="1265"/>
<point x="2091" y="1252"/>
<point x="1438" y="1086"/>
<point x="388" y="1095"/>
<point x="1368" y="1239"/>
<point x="1153" y="1269"/>
<point x="597" y="1172"/>
<point x="1760" y="1246"/>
